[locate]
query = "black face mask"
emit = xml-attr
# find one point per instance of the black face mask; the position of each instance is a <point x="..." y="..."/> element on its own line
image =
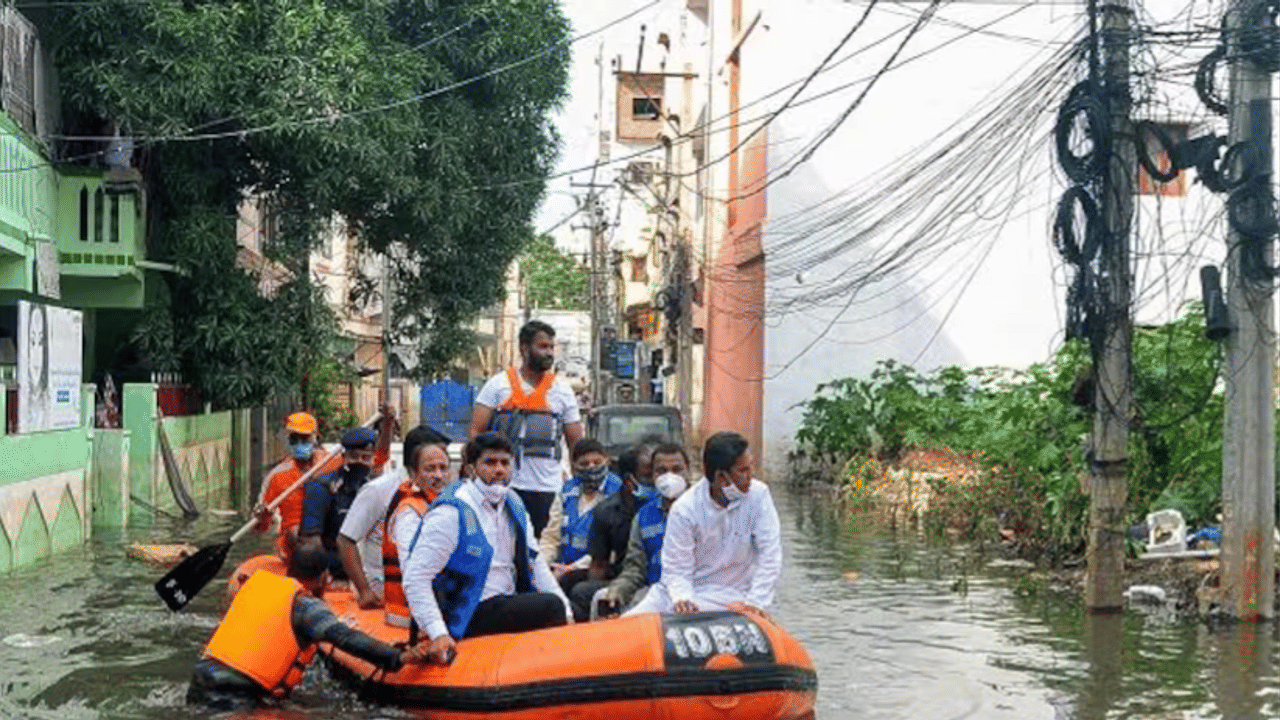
<point x="593" y="477"/>
<point x="357" y="474"/>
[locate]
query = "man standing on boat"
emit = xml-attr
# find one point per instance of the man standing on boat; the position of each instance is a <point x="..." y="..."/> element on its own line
<point x="472" y="567"/>
<point x="722" y="548"/>
<point x="267" y="638"/>
<point x="538" y="413"/>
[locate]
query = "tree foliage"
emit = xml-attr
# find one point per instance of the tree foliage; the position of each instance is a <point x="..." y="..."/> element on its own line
<point x="426" y="125"/>
<point x="555" y="279"/>
<point x="1031" y="427"/>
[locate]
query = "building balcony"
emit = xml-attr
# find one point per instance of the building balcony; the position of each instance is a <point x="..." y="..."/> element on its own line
<point x="100" y="236"/>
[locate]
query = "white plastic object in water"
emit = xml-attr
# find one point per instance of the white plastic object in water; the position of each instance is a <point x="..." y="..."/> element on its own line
<point x="1166" y="532"/>
<point x="1150" y="594"/>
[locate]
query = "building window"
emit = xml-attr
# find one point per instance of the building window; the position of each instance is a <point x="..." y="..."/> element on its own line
<point x="84" y="214"/>
<point x="99" y="222"/>
<point x="640" y="269"/>
<point x="113" y="232"/>
<point x="646" y="108"/>
<point x="1148" y="185"/>
<point x="640" y="105"/>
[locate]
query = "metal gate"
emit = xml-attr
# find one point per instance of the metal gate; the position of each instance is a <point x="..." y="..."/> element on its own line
<point x="446" y="406"/>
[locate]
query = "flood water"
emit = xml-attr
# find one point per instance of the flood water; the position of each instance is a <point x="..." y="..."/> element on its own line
<point x="899" y="629"/>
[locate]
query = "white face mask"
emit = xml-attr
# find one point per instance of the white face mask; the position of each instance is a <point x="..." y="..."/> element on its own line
<point x="671" y="485"/>
<point x="732" y="493"/>
<point x="494" y="493"/>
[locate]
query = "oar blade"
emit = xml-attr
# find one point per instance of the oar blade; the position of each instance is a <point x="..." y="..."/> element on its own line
<point x="182" y="583"/>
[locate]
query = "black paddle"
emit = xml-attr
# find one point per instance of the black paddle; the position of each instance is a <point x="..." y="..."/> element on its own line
<point x="181" y="584"/>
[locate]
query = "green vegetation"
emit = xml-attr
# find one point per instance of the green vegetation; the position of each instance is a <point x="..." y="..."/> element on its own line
<point x="427" y="126"/>
<point x="556" y="280"/>
<point x="1030" y="429"/>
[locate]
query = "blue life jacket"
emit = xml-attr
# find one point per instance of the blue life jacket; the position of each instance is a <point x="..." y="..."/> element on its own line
<point x="458" y="587"/>
<point x="652" y="522"/>
<point x="576" y="528"/>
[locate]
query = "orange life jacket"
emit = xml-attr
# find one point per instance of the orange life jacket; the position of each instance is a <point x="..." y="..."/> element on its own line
<point x="397" y="606"/>
<point x="256" y="637"/>
<point x="526" y="419"/>
<point x="537" y="400"/>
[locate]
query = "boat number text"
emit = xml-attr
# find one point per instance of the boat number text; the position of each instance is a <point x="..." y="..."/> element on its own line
<point x="693" y="639"/>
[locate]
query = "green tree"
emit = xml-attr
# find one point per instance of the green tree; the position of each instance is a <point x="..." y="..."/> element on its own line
<point x="425" y="125"/>
<point x="555" y="279"/>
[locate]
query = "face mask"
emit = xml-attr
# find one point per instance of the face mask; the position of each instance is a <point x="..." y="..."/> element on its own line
<point x="732" y="493"/>
<point x="358" y="473"/>
<point x="494" y="493"/>
<point x="593" y="476"/>
<point x="302" y="451"/>
<point x="542" y="363"/>
<point x="645" y="493"/>
<point x="671" y="485"/>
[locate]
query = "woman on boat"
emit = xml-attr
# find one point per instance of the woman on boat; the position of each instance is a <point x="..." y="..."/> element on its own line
<point x="264" y="644"/>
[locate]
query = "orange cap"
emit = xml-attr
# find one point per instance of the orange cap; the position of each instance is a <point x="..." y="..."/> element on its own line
<point x="302" y="423"/>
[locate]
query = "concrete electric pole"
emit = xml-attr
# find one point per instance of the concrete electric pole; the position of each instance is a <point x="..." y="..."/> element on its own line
<point x="1248" y="448"/>
<point x="1104" y="583"/>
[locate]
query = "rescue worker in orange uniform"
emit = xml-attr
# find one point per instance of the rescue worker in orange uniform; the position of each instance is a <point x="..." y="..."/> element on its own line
<point x="264" y="644"/>
<point x="430" y="475"/>
<point x="305" y="452"/>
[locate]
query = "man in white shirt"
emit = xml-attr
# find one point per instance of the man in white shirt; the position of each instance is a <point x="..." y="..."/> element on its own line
<point x="722" y="549"/>
<point x="360" y="537"/>
<point x="538" y="413"/>
<point x="472" y="567"/>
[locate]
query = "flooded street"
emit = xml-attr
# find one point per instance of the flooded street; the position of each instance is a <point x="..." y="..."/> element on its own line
<point x="899" y="629"/>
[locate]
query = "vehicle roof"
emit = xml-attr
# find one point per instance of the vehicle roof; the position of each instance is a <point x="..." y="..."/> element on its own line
<point x="637" y="410"/>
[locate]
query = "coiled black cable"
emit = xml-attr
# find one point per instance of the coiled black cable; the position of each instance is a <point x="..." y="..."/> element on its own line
<point x="1205" y="86"/>
<point x="1079" y="246"/>
<point x="1083" y="101"/>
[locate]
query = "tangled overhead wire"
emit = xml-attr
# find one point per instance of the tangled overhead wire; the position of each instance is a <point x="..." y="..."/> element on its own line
<point x="1085" y="110"/>
<point x="1245" y="169"/>
<point x="1083" y="140"/>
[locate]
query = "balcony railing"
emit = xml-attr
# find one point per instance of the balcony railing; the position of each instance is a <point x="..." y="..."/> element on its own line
<point x="100" y="232"/>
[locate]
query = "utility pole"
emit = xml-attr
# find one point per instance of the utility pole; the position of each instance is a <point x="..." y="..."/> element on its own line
<point x="1248" y="449"/>
<point x="1109" y="488"/>
<point x="386" y="327"/>
<point x="595" y="282"/>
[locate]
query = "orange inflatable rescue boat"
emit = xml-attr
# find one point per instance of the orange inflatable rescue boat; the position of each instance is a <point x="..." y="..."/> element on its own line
<point x="676" y="667"/>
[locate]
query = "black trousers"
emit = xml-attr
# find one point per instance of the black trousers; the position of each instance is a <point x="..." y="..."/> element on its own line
<point x="580" y="598"/>
<point x="539" y="506"/>
<point x="218" y="687"/>
<point x="516" y="613"/>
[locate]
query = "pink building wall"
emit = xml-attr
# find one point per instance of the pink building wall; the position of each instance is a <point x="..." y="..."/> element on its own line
<point x="734" y="388"/>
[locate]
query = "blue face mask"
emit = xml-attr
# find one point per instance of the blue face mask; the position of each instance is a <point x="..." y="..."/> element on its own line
<point x="645" y="493"/>
<point x="302" y="451"/>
